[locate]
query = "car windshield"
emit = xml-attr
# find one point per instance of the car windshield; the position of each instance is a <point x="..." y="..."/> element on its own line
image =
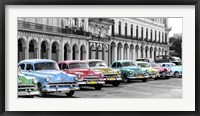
<point x="46" y="66"/>
<point x="97" y="64"/>
<point x="143" y="65"/>
<point x="78" y="66"/>
<point x="155" y="65"/>
<point x="19" y="71"/>
<point x="125" y="64"/>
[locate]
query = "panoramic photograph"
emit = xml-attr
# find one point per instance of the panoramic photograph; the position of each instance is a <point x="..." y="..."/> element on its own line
<point x="105" y="57"/>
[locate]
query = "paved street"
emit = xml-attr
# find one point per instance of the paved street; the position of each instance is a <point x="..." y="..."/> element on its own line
<point x="162" y="88"/>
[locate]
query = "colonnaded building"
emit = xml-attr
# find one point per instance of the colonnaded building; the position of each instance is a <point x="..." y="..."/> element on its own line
<point x="109" y="39"/>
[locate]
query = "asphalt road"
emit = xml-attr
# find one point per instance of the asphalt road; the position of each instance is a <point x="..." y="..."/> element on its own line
<point x="161" y="88"/>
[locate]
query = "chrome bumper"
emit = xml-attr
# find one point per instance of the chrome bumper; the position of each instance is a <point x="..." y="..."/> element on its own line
<point x="138" y="77"/>
<point x="60" y="89"/>
<point x="90" y="82"/>
<point x="27" y="93"/>
<point x="115" y="79"/>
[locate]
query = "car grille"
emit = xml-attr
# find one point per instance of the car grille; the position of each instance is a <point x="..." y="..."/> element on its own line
<point x="152" y="73"/>
<point x="26" y="87"/>
<point x="62" y="83"/>
<point x="140" y="74"/>
<point x="91" y="78"/>
<point x="110" y="75"/>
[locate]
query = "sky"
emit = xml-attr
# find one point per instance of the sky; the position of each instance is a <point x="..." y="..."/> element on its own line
<point x="176" y="24"/>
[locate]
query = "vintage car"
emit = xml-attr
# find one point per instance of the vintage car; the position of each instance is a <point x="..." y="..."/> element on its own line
<point x="176" y="70"/>
<point x="27" y="85"/>
<point x="129" y="71"/>
<point x="110" y="76"/>
<point x="86" y="76"/>
<point x="163" y="71"/>
<point x="153" y="73"/>
<point x="50" y="78"/>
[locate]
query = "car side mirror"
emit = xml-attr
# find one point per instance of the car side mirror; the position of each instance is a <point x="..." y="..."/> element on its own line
<point x="30" y="70"/>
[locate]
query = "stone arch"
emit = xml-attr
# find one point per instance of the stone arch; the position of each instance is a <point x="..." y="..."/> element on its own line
<point x="92" y="51"/>
<point x="33" y="49"/>
<point x="141" y="51"/>
<point x="119" y="51"/>
<point x="82" y="52"/>
<point x="136" y="51"/>
<point x="55" y="51"/>
<point x="67" y="51"/>
<point x="146" y="51"/>
<point x="44" y="51"/>
<point x="155" y="52"/>
<point x="126" y="51"/>
<point x="151" y="52"/>
<point x="21" y="49"/>
<point x="159" y="51"/>
<point x="75" y="52"/>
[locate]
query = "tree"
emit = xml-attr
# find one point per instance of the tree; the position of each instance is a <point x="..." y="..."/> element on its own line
<point x="176" y="44"/>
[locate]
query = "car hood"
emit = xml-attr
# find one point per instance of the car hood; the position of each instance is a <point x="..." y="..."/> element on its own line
<point x="23" y="80"/>
<point x="161" y="69"/>
<point x="105" y="70"/>
<point x="55" y="75"/>
<point x="84" y="72"/>
<point x="178" y="68"/>
<point x="133" y="68"/>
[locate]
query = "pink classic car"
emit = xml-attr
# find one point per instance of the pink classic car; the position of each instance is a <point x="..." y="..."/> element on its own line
<point x="86" y="76"/>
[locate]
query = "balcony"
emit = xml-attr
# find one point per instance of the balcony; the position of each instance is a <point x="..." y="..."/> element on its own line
<point x="51" y="29"/>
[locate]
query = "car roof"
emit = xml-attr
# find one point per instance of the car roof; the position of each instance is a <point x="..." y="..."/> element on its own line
<point x="124" y="61"/>
<point x="166" y="63"/>
<point x="72" y="61"/>
<point x="93" y="60"/>
<point x="36" y="60"/>
<point x="140" y="62"/>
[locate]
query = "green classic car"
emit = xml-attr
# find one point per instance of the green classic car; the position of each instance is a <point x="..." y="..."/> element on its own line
<point x="153" y="73"/>
<point x="27" y="86"/>
<point x="129" y="71"/>
<point x="110" y="76"/>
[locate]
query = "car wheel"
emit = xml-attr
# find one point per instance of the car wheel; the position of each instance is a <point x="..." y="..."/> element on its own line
<point x="42" y="94"/>
<point x="125" y="79"/>
<point x="144" y="80"/>
<point x="70" y="94"/>
<point x="176" y="74"/>
<point x="31" y="96"/>
<point x="116" y="84"/>
<point x="166" y="77"/>
<point x="98" y="87"/>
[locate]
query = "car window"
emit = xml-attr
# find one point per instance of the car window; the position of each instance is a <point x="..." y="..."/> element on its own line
<point x="46" y="66"/>
<point x="119" y="64"/>
<point x="29" y="67"/>
<point x="114" y="65"/>
<point x="78" y="66"/>
<point x="124" y="64"/>
<point x="22" y="66"/>
<point x="64" y="66"/>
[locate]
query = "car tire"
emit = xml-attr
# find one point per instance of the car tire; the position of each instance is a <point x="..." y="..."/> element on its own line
<point x="166" y="77"/>
<point x="42" y="94"/>
<point x="116" y="84"/>
<point x="176" y="74"/>
<point x="70" y="94"/>
<point x="98" y="87"/>
<point x="144" y="80"/>
<point x="125" y="79"/>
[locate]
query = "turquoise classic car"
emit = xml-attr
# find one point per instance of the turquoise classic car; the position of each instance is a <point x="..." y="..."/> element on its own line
<point x="176" y="70"/>
<point x="129" y="71"/>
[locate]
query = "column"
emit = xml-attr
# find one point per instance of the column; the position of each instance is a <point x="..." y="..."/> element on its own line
<point x="49" y="53"/>
<point x="148" y="53"/>
<point x="139" y="53"/>
<point x="128" y="53"/>
<point x="134" y="54"/>
<point x="122" y="54"/>
<point x="115" y="53"/>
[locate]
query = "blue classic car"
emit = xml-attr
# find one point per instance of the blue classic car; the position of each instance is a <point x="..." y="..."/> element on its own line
<point x="130" y="71"/>
<point x="176" y="70"/>
<point x="50" y="78"/>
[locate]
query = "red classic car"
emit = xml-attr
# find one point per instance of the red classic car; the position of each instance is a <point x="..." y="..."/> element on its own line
<point x="164" y="72"/>
<point x="86" y="76"/>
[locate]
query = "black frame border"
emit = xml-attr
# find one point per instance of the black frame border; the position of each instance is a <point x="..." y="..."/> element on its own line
<point x="3" y="3"/>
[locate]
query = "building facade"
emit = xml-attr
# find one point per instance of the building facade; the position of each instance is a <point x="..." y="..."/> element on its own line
<point x="92" y="38"/>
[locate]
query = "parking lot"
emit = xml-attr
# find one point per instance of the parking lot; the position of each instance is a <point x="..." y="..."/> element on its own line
<point x="161" y="88"/>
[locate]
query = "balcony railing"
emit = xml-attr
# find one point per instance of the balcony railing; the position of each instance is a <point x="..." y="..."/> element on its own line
<point x="51" y="29"/>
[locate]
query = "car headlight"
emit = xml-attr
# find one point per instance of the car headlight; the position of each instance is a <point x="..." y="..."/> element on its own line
<point x="35" y="81"/>
<point x="48" y="79"/>
<point x="76" y="78"/>
<point x="119" y="72"/>
<point x="147" y="71"/>
<point x="101" y="74"/>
